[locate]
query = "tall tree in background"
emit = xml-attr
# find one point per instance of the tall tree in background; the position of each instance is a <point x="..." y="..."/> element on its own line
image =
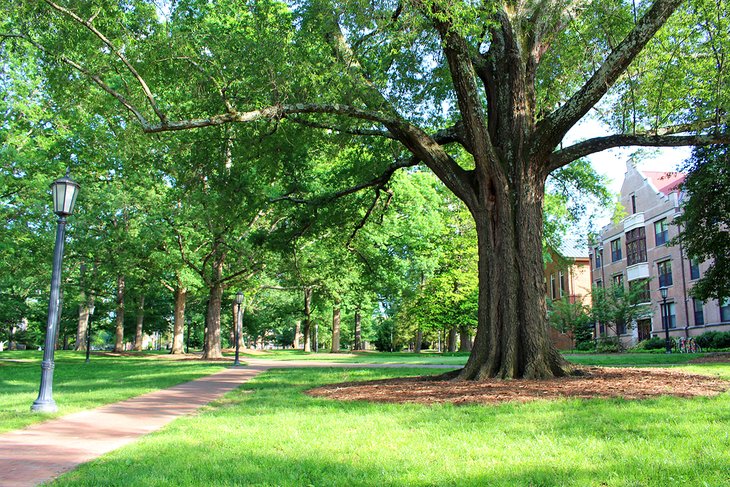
<point x="508" y="80"/>
<point x="705" y="223"/>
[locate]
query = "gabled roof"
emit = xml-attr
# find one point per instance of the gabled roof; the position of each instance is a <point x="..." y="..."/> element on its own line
<point x="665" y="182"/>
<point x="572" y="248"/>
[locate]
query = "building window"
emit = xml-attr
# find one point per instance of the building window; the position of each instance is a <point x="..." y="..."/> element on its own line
<point x="601" y="329"/>
<point x="635" y="246"/>
<point x="633" y="204"/>
<point x="668" y="314"/>
<point x="599" y="257"/>
<point x="699" y="315"/>
<point x="661" y="231"/>
<point x="553" y="291"/>
<point x="725" y="310"/>
<point x="599" y="283"/>
<point x="618" y="280"/>
<point x="563" y="285"/>
<point x="665" y="273"/>
<point x="616" y="250"/>
<point x="643" y="292"/>
<point x="621" y="328"/>
<point x="694" y="269"/>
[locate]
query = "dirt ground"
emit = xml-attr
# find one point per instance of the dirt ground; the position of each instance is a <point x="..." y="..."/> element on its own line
<point x="596" y="382"/>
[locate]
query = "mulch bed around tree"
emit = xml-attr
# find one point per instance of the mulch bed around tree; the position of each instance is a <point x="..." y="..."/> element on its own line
<point x="596" y="382"/>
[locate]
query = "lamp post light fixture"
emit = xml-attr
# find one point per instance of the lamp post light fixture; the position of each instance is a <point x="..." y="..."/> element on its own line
<point x="64" y="192"/>
<point x="665" y="319"/>
<point x="239" y="301"/>
<point x="88" y="333"/>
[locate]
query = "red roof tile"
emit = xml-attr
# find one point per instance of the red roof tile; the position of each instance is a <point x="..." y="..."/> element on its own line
<point x="665" y="182"/>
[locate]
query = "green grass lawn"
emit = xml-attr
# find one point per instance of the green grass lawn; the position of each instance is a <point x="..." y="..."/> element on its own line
<point x="269" y="433"/>
<point x="77" y="385"/>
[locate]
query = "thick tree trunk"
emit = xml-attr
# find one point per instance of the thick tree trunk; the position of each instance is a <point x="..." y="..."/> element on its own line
<point x="512" y="339"/>
<point x="418" y="341"/>
<point x="335" y="329"/>
<point x="358" y="330"/>
<point x="119" y="331"/>
<point x="181" y="295"/>
<point x="451" y="341"/>
<point x="464" y="340"/>
<point x="140" y="324"/>
<point x="213" y="320"/>
<point x="307" y="319"/>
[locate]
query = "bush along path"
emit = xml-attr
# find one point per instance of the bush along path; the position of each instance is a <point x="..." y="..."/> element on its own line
<point x="43" y="451"/>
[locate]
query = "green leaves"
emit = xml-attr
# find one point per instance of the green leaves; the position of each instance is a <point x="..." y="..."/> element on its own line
<point x="704" y="223"/>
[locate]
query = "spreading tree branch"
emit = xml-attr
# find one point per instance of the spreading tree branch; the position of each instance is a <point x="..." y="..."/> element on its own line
<point x="569" y="154"/>
<point x="553" y="128"/>
<point x="90" y="26"/>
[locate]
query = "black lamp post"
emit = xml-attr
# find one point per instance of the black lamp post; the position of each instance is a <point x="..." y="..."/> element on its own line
<point x="239" y="301"/>
<point x="64" y="196"/>
<point x="88" y="333"/>
<point x="665" y="319"/>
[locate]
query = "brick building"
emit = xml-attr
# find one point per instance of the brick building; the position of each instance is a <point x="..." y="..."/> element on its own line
<point x="636" y="248"/>
<point x="567" y="274"/>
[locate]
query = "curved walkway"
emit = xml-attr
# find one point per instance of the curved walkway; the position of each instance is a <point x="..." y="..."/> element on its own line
<point x="43" y="451"/>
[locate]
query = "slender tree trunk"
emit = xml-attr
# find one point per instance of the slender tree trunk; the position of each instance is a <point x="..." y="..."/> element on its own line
<point x="119" y="332"/>
<point x="358" y="330"/>
<point x="297" y="333"/>
<point x="83" y="323"/>
<point x="213" y="329"/>
<point x="140" y="324"/>
<point x="307" y="319"/>
<point x="451" y="342"/>
<point x="181" y="295"/>
<point x="234" y="324"/>
<point x="419" y="341"/>
<point x="335" y="329"/>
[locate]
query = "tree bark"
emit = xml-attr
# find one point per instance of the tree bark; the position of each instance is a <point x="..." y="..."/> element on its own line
<point x="140" y="324"/>
<point x="418" y="341"/>
<point x="297" y="333"/>
<point x="213" y="320"/>
<point x="119" y="331"/>
<point x="181" y="294"/>
<point x="358" y="330"/>
<point x="307" y="319"/>
<point x="83" y="323"/>
<point x="335" y="329"/>
<point x="464" y="340"/>
<point x="512" y="339"/>
<point x="234" y="324"/>
<point x="451" y="341"/>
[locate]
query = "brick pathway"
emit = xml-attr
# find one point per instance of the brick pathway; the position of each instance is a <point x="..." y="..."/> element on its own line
<point x="45" y="450"/>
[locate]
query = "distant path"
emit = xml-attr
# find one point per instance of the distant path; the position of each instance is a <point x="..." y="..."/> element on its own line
<point x="43" y="451"/>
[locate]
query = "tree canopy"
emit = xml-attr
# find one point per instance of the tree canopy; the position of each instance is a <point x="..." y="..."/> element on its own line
<point x="482" y="94"/>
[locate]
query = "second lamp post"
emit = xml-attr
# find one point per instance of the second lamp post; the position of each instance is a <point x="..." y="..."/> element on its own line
<point x="665" y="319"/>
<point x="239" y="301"/>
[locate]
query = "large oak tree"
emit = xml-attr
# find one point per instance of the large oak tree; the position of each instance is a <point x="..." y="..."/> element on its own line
<point x="504" y="81"/>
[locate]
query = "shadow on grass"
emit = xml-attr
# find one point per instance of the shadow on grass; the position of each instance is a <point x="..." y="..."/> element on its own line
<point x="269" y="433"/>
